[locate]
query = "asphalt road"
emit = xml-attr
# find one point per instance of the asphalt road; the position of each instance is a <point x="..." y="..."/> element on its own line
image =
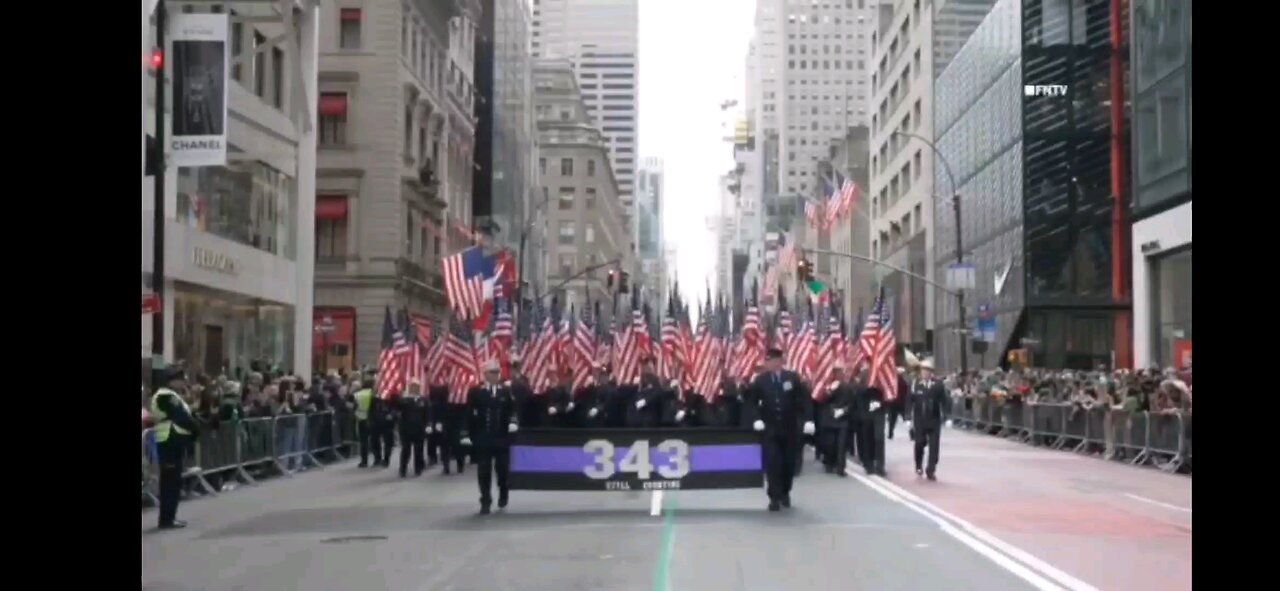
<point x="349" y="528"/>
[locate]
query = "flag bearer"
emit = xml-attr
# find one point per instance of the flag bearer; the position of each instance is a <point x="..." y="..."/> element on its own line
<point x="835" y="422"/>
<point x="869" y="405"/>
<point x="174" y="430"/>
<point x="414" y="418"/>
<point x="492" y="419"/>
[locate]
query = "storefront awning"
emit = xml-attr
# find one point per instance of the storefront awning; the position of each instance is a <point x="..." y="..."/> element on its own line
<point x="331" y="207"/>
<point x="333" y="105"/>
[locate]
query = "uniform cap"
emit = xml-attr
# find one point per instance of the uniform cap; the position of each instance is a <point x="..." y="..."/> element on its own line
<point x="927" y="364"/>
<point x="773" y="353"/>
<point x="491" y="365"/>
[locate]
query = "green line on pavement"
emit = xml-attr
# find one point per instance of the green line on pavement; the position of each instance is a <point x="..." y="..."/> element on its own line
<point x="661" y="576"/>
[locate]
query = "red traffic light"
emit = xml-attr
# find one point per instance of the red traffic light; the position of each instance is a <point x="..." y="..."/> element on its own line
<point x="157" y="59"/>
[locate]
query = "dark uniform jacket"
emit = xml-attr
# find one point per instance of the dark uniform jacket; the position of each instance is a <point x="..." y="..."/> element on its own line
<point x="415" y="414"/>
<point x="178" y="414"/>
<point x="438" y="401"/>
<point x="929" y="404"/>
<point x="598" y="397"/>
<point x="841" y="398"/>
<point x="782" y="401"/>
<point x="528" y="407"/>
<point x="490" y="412"/>
<point x="669" y="404"/>
<point x="649" y="390"/>
<point x="863" y="396"/>
<point x="557" y="397"/>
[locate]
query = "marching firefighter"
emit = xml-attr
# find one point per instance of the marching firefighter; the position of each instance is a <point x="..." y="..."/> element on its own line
<point x="593" y="402"/>
<point x="437" y="405"/>
<point x="835" y="422"/>
<point x="382" y="417"/>
<point x="175" y="429"/>
<point x="782" y="405"/>
<point x="453" y="421"/>
<point x="869" y="406"/>
<point x="559" y="401"/>
<point x="897" y="407"/>
<point x="672" y="411"/>
<point x="414" y="417"/>
<point x="527" y="406"/>
<point x="929" y="407"/>
<point x="643" y="396"/>
<point x="364" y="425"/>
<point x="491" y="421"/>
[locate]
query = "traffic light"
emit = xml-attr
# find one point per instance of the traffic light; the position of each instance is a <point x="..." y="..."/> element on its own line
<point x="622" y="282"/>
<point x="804" y="270"/>
<point x="609" y="281"/>
<point x="157" y="59"/>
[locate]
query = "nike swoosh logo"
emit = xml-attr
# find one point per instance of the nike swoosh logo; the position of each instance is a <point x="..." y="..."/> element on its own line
<point x="1003" y="276"/>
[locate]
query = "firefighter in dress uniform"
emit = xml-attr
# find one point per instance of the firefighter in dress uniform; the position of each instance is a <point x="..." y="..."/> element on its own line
<point x="869" y="406"/>
<point x="645" y="392"/>
<point x="437" y="405"/>
<point x="527" y="405"/>
<point x="175" y="429"/>
<point x="784" y="413"/>
<point x="559" y="401"/>
<point x="491" y="421"/>
<point x="414" y="417"/>
<point x="834" y="423"/>
<point x="595" y="399"/>
<point x="929" y="407"/>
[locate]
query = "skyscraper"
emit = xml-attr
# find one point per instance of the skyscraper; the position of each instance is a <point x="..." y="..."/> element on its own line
<point x="601" y="38"/>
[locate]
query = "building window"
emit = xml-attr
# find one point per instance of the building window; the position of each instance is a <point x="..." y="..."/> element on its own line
<point x="566" y="233"/>
<point x="331" y="227"/>
<point x="1171" y="308"/>
<point x="591" y="198"/>
<point x="542" y="166"/>
<point x="277" y="77"/>
<point x="566" y="265"/>
<point x="591" y="235"/>
<point x="333" y="119"/>
<point x="916" y="161"/>
<point x="566" y="198"/>
<point x="259" y="65"/>
<point x="349" y="29"/>
<point x="566" y="167"/>
<point x="591" y="167"/>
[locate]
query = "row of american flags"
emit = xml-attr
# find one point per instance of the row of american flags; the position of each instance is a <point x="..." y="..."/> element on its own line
<point x="842" y="196"/>
<point x="554" y="343"/>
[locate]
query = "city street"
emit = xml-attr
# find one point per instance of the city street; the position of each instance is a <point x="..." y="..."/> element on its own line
<point x="1002" y="516"/>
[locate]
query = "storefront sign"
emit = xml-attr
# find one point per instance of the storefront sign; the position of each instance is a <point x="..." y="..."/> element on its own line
<point x="215" y="261"/>
<point x="200" y="54"/>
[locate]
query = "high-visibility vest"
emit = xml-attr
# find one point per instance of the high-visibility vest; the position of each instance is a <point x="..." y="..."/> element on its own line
<point x="163" y="423"/>
<point x="364" y="399"/>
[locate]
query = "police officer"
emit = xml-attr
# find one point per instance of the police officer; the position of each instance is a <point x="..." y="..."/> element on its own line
<point x="929" y="404"/>
<point x="782" y="403"/>
<point x="492" y="419"/>
<point x="414" y="418"/>
<point x="834" y="423"/>
<point x="174" y="430"/>
<point x="869" y="404"/>
<point x="364" y="427"/>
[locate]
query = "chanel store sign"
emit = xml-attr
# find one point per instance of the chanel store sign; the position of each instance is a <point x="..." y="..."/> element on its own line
<point x="214" y="261"/>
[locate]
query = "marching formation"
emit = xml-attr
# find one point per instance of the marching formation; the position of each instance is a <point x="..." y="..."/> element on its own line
<point x="784" y="377"/>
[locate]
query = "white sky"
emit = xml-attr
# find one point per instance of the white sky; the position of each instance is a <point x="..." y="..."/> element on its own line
<point x="692" y="58"/>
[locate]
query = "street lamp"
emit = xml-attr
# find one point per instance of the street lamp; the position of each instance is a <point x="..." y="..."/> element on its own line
<point x="955" y="205"/>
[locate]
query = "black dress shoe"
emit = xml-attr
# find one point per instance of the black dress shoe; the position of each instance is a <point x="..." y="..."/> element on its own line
<point x="919" y="472"/>
<point x="841" y="473"/>
<point x="502" y="501"/>
<point x="882" y="473"/>
<point x="774" y="506"/>
<point x="177" y="524"/>
<point x="931" y="476"/>
<point x="362" y="465"/>
<point x="484" y="509"/>
<point x="786" y="502"/>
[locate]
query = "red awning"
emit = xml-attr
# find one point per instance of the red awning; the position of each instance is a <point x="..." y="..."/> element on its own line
<point x="333" y="105"/>
<point x="350" y="14"/>
<point x="331" y="207"/>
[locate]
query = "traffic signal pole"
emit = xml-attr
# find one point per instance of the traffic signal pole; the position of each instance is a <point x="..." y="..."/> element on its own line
<point x="157" y="221"/>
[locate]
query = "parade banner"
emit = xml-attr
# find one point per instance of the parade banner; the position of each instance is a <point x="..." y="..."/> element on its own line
<point x="636" y="459"/>
<point x="199" y="119"/>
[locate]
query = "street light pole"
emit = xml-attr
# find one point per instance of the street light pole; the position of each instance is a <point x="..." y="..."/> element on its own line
<point x="955" y="205"/>
<point x="157" y="220"/>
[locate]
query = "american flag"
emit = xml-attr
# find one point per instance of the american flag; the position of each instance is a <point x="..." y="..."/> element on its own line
<point x="831" y="351"/>
<point x="884" y="367"/>
<point x="813" y="214"/>
<point x="783" y="337"/>
<point x="848" y="196"/>
<point x="461" y="355"/>
<point x="800" y="354"/>
<point x="636" y="348"/>
<point x="502" y="336"/>
<point x="392" y="359"/>
<point x="751" y="347"/>
<point x="465" y="274"/>
<point x="436" y="368"/>
<point x="584" y="353"/>
<point x="542" y="357"/>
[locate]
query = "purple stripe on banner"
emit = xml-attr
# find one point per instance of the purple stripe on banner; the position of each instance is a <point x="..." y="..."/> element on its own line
<point x="702" y="458"/>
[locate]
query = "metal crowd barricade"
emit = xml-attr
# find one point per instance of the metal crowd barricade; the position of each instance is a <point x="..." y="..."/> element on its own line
<point x="1186" y="438"/>
<point x="257" y="446"/>
<point x="1166" y="440"/>
<point x="319" y="427"/>
<point x="1126" y="437"/>
<point x="1013" y="423"/>
<point x="1048" y="423"/>
<point x="1095" y="431"/>
<point x="149" y="466"/>
<point x="1074" y="434"/>
<point x="344" y="434"/>
<point x="218" y="450"/>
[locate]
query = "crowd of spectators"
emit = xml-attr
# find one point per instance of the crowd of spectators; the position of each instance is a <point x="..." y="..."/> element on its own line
<point x="1145" y="390"/>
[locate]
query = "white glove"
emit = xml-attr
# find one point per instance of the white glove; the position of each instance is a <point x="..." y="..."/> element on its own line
<point x="833" y="386"/>
<point x="674" y="384"/>
<point x="439" y="427"/>
<point x="465" y="441"/>
<point x="507" y="383"/>
<point x="429" y="431"/>
<point x="593" y="412"/>
<point x="569" y="408"/>
<point x="679" y="415"/>
<point x="808" y="428"/>
<point x="640" y="403"/>
<point x="635" y="381"/>
<point x="875" y="405"/>
<point x="838" y="413"/>
<point x="552" y="410"/>
<point x="758" y="425"/>
<point x="512" y="428"/>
